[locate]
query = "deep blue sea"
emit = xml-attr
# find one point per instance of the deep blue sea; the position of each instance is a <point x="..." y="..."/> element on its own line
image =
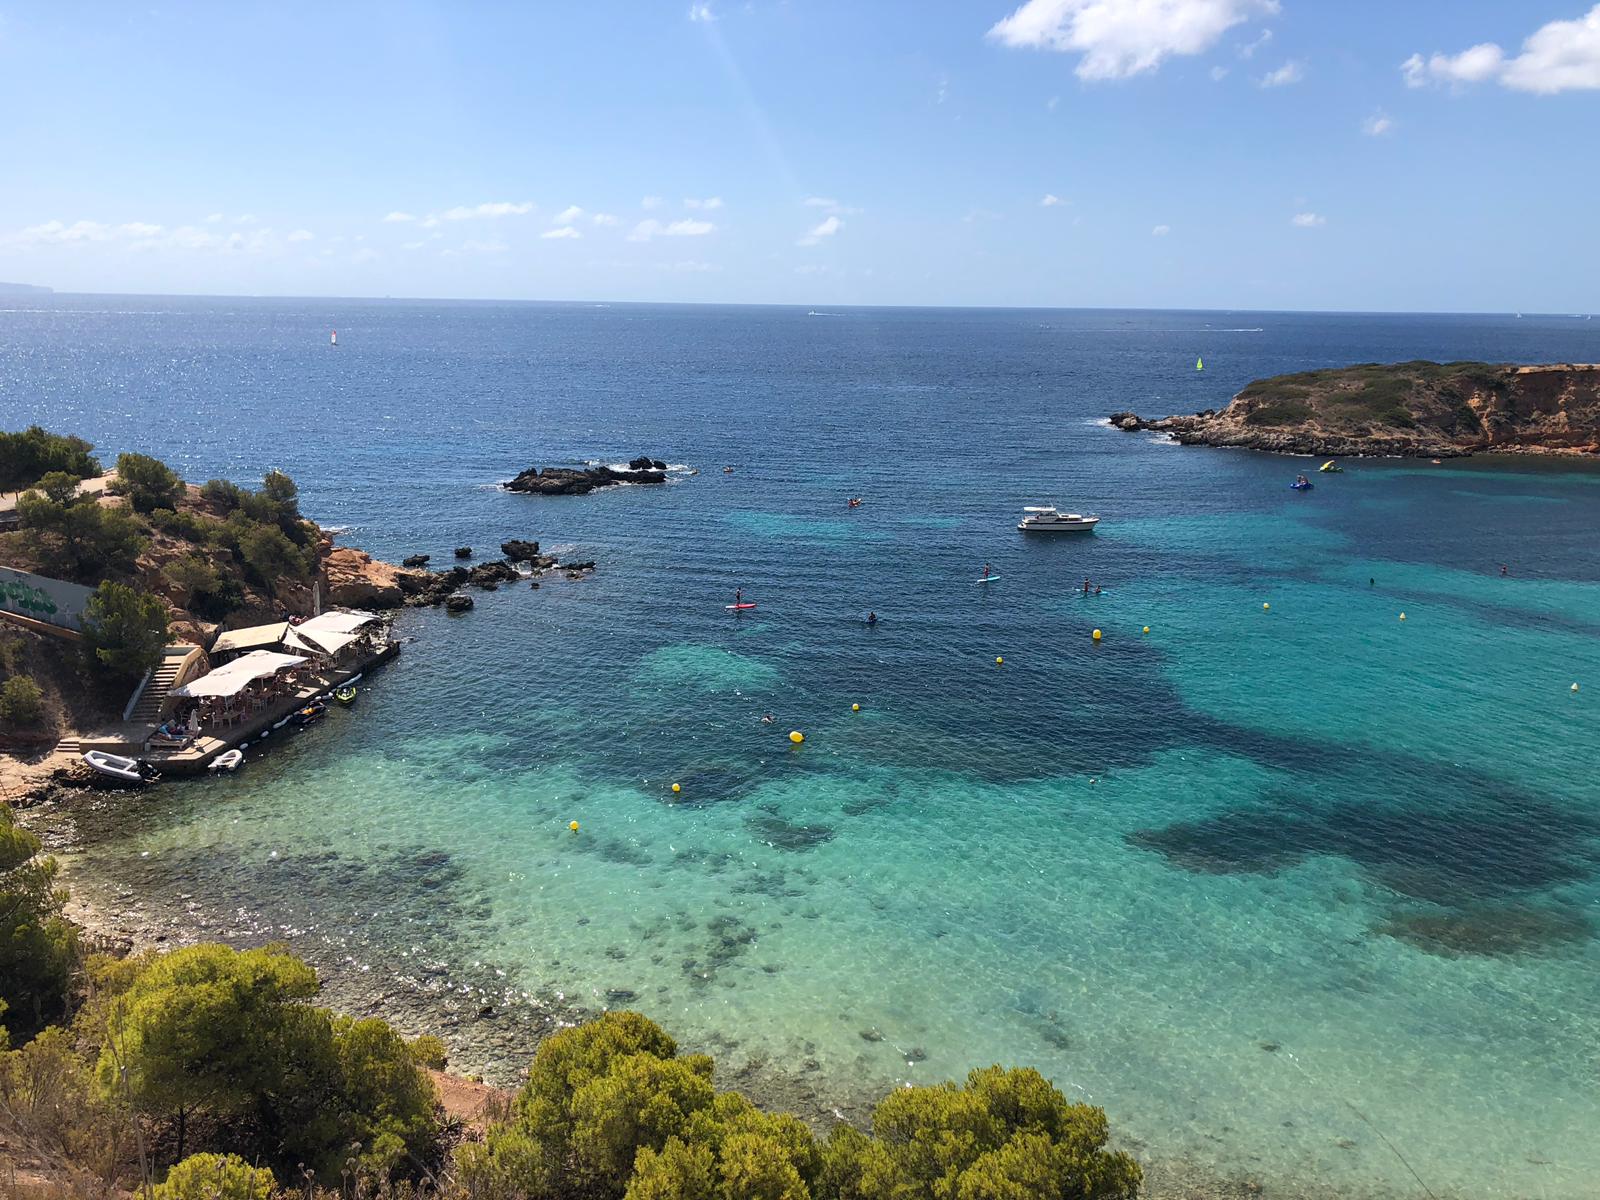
<point x="1301" y="892"/>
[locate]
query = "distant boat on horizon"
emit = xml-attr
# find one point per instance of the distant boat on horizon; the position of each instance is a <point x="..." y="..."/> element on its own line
<point x="1199" y="364"/>
<point x="333" y="338"/>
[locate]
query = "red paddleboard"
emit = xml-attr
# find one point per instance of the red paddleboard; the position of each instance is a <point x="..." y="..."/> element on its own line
<point x="739" y="607"/>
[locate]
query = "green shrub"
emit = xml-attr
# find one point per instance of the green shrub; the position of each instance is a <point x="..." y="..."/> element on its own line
<point x="38" y="947"/>
<point x="147" y="482"/>
<point x="270" y="557"/>
<point x="181" y="524"/>
<point x="430" y="1051"/>
<point x="124" y="632"/>
<point x="231" y="1036"/>
<point x="75" y="534"/>
<point x="191" y="574"/>
<point x="222" y="493"/>
<point x="1005" y="1133"/>
<point x="48" y="1103"/>
<point x="21" y="701"/>
<point x="215" y="1177"/>
<point x="1285" y="412"/>
<point x="28" y="456"/>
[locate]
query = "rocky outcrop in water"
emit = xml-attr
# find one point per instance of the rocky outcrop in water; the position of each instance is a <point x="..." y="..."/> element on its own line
<point x="575" y="481"/>
<point x="517" y="550"/>
<point x="1418" y="409"/>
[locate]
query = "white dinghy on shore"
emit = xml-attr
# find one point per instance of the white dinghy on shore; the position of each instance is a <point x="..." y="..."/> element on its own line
<point x="116" y="766"/>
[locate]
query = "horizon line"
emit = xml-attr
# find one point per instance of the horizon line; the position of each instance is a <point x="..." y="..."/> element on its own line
<point x="791" y="304"/>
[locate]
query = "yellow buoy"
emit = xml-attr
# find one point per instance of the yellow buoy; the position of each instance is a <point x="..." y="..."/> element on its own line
<point x="677" y="787"/>
<point x="796" y="736"/>
<point x="1147" y="629"/>
<point x="1097" y="635"/>
<point x="855" y="708"/>
<point x="998" y="661"/>
<point x="572" y="825"/>
<point x="1264" y="607"/>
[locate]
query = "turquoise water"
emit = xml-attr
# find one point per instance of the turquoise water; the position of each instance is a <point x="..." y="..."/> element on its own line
<point x="1300" y="892"/>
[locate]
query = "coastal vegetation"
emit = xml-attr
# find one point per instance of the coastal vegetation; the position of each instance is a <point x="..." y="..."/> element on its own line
<point x="28" y="456"/>
<point x="210" y="1073"/>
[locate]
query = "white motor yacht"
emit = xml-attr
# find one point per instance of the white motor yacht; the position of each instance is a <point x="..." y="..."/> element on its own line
<point x="1048" y="520"/>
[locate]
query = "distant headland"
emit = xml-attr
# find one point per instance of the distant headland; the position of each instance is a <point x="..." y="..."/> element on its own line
<point x="24" y="289"/>
<point x="1416" y="409"/>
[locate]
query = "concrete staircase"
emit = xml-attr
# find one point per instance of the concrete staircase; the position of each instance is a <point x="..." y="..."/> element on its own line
<point x="154" y="696"/>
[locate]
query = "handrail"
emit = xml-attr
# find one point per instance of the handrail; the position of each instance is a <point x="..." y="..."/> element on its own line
<point x="127" y="713"/>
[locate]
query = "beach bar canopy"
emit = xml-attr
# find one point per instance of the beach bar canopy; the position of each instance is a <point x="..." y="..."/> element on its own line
<point x="319" y="641"/>
<point x="253" y="637"/>
<point x="335" y="622"/>
<point x="239" y="674"/>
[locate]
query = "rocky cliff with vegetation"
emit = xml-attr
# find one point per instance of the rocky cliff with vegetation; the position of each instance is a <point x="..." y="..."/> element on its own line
<point x="169" y="561"/>
<point x="1424" y="409"/>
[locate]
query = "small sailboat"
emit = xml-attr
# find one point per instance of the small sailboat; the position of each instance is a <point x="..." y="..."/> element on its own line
<point x="1199" y="364"/>
<point x="333" y="338"/>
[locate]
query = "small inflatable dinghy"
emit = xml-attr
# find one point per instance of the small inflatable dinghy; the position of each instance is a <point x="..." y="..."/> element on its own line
<point x="228" y="760"/>
<point x="116" y="766"/>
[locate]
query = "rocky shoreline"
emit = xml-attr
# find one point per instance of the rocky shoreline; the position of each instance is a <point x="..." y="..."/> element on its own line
<point x="576" y="481"/>
<point x="357" y="580"/>
<point x="1407" y="410"/>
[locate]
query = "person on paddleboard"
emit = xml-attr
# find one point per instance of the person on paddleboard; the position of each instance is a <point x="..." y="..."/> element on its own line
<point x="986" y="570"/>
<point x="738" y="597"/>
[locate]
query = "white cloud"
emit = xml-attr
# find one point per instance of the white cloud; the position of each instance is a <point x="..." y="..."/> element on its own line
<point x="139" y="229"/>
<point x="1218" y="74"/>
<point x="214" y="219"/>
<point x="813" y="269"/>
<point x="567" y="216"/>
<point x="650" y="228"/>
<point x="1249" y="48"/>
<point x="59" y="233"/>
<point x="701" y="12"/>
<point x="688" y="266"/>
<point x="944" y="87"/>
<point x="246" y="219"/>
<point x="650" y="202"/>
<point x="1470" y="66"/>
<point x="825" y="229"/>
<point x="1050" y="200"/>
<point x="1308" y="220"/>
<point x="1378" y="124"/>
<point x="495" y="208"/>
<point x="1290" y="72"/>
<point x="1161" y="231"/>
<point x="1559" y="56"/>
<point x="561" y="231"/>
<point x="412" y="245"/>
<point x="710" y="202"/>
<point x="301" y="235"/>
<point x="1121" y="38"/>
<point x="397" y="217"/>
<point x="604" y="218"/>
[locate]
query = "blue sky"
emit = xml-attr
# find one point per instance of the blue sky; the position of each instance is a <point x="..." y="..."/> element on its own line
<point x="1411" y="154"/>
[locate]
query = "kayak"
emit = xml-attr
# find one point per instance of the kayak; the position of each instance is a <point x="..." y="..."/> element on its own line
<point x="740" y="607"/>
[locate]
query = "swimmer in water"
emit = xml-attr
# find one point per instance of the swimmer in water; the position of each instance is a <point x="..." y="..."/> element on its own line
<point x="766" y="718"/>
<point x="872" y="618"/>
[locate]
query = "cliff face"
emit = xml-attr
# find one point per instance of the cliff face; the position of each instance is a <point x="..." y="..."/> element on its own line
<point x="1416" y="408"/>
